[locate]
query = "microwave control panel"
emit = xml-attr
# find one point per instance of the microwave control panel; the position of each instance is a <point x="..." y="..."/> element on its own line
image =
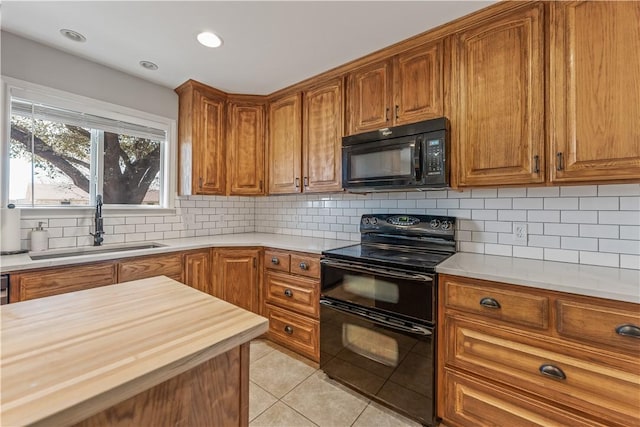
<point x="435" y="156"/>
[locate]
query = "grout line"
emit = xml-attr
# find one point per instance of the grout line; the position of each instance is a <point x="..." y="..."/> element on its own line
<point x="298" y="412"/>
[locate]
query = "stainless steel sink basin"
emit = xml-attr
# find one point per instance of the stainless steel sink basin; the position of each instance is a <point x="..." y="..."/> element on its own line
<point x="91" y="250"/>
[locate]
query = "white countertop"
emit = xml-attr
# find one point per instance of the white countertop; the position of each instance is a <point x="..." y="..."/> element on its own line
<point x="9" y="263"/>
<point x="603" y="282"/>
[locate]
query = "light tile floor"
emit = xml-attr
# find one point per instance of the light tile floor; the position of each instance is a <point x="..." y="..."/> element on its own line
<point x="287" y="390"/>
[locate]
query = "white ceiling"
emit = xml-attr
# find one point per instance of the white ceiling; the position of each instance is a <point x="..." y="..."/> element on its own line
<point x="267" y="45"/>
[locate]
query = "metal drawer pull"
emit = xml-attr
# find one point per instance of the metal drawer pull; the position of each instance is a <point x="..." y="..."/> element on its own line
<point x="288" y="293"/>
<point x="288" y="329"/>
<point x="489" y="302"/>
<point x="628" y="330"/>
<point x="553" y="372"/>
<point x="304" y="266"/>
<point x="275" y="261"/>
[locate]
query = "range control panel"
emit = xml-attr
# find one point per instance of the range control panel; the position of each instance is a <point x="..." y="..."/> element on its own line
<point x="409" y="225"/>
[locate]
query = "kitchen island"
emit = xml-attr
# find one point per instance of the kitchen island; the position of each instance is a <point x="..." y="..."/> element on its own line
<point x="147" y="352"/>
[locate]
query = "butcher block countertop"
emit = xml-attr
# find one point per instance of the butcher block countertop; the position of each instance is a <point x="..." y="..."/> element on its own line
<point x="67" y="357"/>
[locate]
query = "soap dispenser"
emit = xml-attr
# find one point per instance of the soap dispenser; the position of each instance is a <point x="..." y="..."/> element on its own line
<point x="39" y="238"/>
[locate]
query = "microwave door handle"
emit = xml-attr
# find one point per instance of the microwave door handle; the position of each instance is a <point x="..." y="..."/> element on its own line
<point x="381" y="320"/>
<point x="379" y="271"/>
<point x="417" y="160"/>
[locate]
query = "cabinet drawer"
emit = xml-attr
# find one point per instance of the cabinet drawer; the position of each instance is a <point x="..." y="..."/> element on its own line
<point x="293" y="293"/>
<point x="299" y="333"/>
<point x="157" y="265"/>
<point x="305" y="265"/>
<point x="511" y="358"/>
<point x="276" y="260"/>
<point x="470" y="402"/>
<point x="607" y="327"/>
<point x="44" y="283"/>
<point x="514" y="307"/>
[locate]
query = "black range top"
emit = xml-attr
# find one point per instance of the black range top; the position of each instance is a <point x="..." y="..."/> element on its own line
<point x="412" y="242"/>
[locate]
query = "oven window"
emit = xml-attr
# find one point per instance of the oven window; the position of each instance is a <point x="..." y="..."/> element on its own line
<point x="370" y="344"/>
<point x="411" y="298"/>
<point x="371" y="288"/>
<point x="396" y="161"/>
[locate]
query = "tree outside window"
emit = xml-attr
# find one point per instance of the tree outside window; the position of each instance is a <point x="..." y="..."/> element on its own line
<point x="60" y="157"/>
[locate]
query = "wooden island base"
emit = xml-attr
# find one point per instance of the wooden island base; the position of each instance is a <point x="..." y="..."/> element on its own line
<point x="214" y="393"/>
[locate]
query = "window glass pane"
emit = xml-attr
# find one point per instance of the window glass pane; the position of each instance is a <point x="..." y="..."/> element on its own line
<point x="57" y="154"/>
<point x="131" y="170"/>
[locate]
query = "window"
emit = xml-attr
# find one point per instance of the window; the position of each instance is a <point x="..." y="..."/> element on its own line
<point x="65" y="157"/>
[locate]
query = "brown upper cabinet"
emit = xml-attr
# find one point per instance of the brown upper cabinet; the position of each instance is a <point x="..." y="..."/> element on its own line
<point x="201" y="139"/>
<point x="323" y="126"/>
<point x="405" y="88"/>
<point x="594" y="99"/>
<point x="497" y="100"/>
<point x="246" y="126"/>
<point x="285" y="144"/>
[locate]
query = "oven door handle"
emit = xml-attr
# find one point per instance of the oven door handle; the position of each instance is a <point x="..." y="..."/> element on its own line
<point x="374" y="270"/>
<point x="380" y="320"/>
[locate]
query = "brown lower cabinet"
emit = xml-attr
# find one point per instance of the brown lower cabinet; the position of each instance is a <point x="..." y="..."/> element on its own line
<point x="169" y="265"/>
<point x="292" y="300"/>
<point x="197" y="270"/>
<point x="570" y="363"/>
<point x="236" y="277"/>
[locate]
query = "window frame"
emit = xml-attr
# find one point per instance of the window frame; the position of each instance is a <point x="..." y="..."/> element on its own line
<point x="11" y="87"/>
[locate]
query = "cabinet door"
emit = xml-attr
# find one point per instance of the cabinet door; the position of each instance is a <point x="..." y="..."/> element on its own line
<point x="246" y="148"/>
<point x="197" y="270"/>
<point x="418" y="84"/>
<point x="369" y="97"/>
<point x="285" y="145"/>
<point x="322" y="145"/>
<point x="169" y="265"/>
<point x="44" y="283"/>
<point x="236" y="277"/>
<point x="208" y="145"/>
<point x="595" y="91"/>
<point x="497" y="103"/>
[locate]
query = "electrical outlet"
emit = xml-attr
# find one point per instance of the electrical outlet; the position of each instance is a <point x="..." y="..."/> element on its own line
<point x="520" y="233"/>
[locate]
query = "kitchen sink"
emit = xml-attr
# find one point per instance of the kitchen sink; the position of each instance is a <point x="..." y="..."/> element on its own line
<point x="91" y="250"/>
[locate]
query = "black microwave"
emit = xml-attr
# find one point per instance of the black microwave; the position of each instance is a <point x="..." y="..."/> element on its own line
<point x="407" y="157"/>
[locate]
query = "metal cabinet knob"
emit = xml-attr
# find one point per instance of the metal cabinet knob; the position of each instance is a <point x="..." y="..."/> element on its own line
<point x="275" y="261"/>
<point x="288" y="330"/>
<point x="489" y="302"/>
<point x="288" y="293"/>
<point x="553" y="372"/>
<point x="304" y="266"/>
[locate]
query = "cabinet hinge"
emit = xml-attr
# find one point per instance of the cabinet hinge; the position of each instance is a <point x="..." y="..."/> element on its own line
<point x="255" y="263"/>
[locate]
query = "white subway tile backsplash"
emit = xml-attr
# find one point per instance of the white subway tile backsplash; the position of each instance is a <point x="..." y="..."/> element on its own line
<point x="631" y="247"/>
<point x="562" y="203"/>
<point x="598" y="225"/>
<point x="579" y="243"/>
<point x="599" y="258"/>
<point x="630" y="232"/>
<point x="619" y="217"/>
<point x="561" y="255"/>
<point x="630" y="204"/>
<point x="543" y="216"/>
<point x="579" y="217"/>
<point x="606" y="231"/>
<point x="561" y="229"/>
<point x="619" y="190"/>
<point x="579" y="191"/>
<point x="630" y="261"/>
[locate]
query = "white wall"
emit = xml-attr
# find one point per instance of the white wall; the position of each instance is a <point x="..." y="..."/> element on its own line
<point x="36" y="63"/>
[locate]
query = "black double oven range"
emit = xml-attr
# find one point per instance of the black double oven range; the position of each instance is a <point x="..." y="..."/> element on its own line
<point x="378" y="310"/>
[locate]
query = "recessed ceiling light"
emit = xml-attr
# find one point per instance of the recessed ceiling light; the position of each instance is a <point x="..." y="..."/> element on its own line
<point x="73" y="35"/>
<point x="148" y="65"/>
<point x="209" y="39"/>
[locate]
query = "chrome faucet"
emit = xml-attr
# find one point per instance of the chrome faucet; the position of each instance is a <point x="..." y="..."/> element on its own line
<point x="97" y="236"/>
